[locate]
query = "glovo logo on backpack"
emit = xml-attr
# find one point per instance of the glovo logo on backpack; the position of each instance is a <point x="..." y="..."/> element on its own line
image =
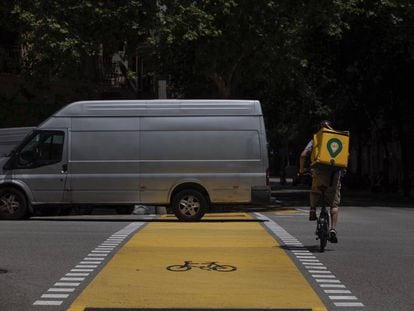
<point x="334" y="147"/>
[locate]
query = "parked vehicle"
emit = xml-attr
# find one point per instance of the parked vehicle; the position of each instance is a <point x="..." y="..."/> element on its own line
<point x="189" y="154"/>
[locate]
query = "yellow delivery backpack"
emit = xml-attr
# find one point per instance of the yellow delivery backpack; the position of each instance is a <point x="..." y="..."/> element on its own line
<point x="330" y="149"/>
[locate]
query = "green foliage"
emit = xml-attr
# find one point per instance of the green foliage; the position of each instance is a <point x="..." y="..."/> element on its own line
<point x="350" y="61"/>
<point x="62" y="38"/>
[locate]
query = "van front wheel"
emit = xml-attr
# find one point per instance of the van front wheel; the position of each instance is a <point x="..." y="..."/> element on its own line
<point x="13" y="204"/>
<point x="189" y="205"/>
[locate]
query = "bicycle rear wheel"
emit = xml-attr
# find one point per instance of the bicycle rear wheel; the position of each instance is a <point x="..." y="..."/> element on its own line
<point x="323" y="241"/>
<point x="323" y="231"/>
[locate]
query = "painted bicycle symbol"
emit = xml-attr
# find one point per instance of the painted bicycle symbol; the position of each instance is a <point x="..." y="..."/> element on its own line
<point x="208" y="266"/>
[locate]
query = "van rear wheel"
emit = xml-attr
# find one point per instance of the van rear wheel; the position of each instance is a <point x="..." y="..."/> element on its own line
<point x="13" y="204"/>
<point x="189" y="205"/>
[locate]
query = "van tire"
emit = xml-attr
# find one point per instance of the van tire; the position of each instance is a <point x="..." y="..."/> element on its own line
<point x="13" y="204"/>
<point x="189" y="205"/>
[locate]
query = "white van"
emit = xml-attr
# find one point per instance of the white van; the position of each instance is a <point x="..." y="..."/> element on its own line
<point x="187" y="154"/>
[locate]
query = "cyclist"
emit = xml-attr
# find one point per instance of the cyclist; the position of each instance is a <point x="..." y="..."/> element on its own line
<point x="330" y="179"/>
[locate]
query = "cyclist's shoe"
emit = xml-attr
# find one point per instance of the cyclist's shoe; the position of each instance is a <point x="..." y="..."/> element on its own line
<point x="312" y="214"/>
<point x="332" y="236"/>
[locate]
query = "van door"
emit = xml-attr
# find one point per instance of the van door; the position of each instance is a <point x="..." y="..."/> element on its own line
<point x="104" y="166"/>
<point x="40" y="162"/>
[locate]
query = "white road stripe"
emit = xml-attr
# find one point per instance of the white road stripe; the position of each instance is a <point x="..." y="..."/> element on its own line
<point x="47" y="303"/>
<point x="315" y="267"/>
<point x="72" y="279"/>
<point x="61" y="290"/>
<point x="94" y="258"/>
<point x="55" y="296"/>
<point x="343" y="298"/>
<point x="101" y="251"/>
<point x="319" y="271"/>
<point x="337" y="291"/>
<point x="86" y="266"/>
<point x="90" y="262"/>
<point x="97" y="255"/>
<point x="77" y="274"/>
<point x="348" y="304"/>
<point x="305" y="257"/>
<point x="82" y="270"/>
<point x="327" y="281"/>
<point x="66" y="284"/>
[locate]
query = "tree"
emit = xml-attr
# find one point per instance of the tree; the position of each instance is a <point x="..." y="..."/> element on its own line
<point x="63" y="38"/>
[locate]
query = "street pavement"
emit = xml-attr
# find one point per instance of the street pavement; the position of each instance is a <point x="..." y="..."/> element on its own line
<point x="260" y="260"/>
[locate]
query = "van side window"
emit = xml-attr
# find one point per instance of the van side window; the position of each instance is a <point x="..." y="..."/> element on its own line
<point x="44" y="148"/>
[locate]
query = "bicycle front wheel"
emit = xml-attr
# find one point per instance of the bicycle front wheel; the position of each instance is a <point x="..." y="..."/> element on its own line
<point x="224" y="268"/>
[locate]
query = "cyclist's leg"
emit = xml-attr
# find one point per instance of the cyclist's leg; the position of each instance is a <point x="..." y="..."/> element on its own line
<point x="335" y="202"/>
<point x="313" y="197"/>
<point x="336" y="198"/>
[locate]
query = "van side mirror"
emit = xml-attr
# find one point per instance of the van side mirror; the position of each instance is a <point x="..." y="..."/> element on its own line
<point x="25" y="159"/>
<point x="10" y="163"/>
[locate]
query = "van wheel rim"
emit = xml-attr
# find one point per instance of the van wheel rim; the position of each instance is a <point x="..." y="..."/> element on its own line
<point x="189" y="205"/>
<point x="9" y="203"/>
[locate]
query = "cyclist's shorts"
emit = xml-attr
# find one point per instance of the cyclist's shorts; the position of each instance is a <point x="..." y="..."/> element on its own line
<point x="333" y="191"/>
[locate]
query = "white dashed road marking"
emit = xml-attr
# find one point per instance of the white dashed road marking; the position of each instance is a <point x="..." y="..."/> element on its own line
<point x="335" y="290"/>
<point x="66" y="285"/>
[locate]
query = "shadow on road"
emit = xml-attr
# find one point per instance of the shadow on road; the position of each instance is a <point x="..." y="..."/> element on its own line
<point x="131" y="218"/>
<point x="310" y="248"/>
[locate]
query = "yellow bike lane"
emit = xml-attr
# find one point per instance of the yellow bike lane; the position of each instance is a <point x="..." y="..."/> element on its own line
<point x="137" y="276"/>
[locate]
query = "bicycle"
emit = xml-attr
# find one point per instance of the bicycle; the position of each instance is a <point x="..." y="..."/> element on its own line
<point x="208" y="266"/>
<point x="322" y="223"/>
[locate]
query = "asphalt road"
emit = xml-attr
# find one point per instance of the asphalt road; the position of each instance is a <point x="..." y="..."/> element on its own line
<point x="374" y="257"/>
<point x="373" y="260"/>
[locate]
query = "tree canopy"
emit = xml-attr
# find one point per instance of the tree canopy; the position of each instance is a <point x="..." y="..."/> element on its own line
<point x="345" y="60"/>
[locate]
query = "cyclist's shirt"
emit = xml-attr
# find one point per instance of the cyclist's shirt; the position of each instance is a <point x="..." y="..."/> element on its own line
<point x="309" y="146"/>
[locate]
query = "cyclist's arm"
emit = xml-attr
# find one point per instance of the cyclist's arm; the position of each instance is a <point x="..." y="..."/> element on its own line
<point x="302" y="160"/>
